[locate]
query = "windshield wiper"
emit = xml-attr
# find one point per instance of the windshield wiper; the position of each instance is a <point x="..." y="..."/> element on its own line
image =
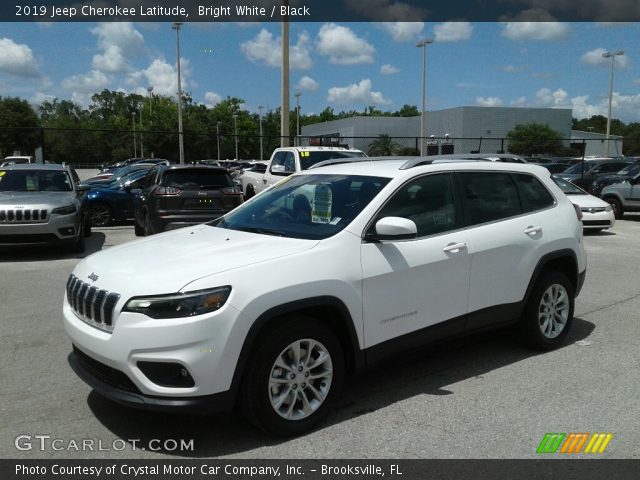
<point x="262" y="231"/>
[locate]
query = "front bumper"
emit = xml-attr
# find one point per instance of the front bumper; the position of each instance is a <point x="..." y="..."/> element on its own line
<point x="598" y="220"/>
<point x="59" y="228"/>
<point x="98" y="378"/>
<point x="202" y="345"/>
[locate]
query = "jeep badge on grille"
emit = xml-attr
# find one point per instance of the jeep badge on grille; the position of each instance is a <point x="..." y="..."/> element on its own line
<point x="93" y="277"/>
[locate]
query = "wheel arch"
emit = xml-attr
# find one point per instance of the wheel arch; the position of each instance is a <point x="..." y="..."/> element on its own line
<point x="564" y="261"/>
<point x="329" y="310"/>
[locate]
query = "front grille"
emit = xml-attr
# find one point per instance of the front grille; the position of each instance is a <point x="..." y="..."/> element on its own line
<point x="596" y="223"/>
<point x="593" y="209"/>
<point x="91" y="304"/>
<point x="105" y="373"/>
<point x="21" y="215"/>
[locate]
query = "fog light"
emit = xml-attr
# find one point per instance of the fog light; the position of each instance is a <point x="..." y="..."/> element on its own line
<point x="167" y="374"/>
<point x="67" y="231"/>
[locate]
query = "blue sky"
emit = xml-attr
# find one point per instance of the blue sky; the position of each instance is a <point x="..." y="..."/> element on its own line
<point x="344" y="66"/>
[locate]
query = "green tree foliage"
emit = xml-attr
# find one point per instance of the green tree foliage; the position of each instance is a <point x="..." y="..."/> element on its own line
<point x="383" y="146"/>
<point x="534" y="138"/>
<point x="18" y="127"/>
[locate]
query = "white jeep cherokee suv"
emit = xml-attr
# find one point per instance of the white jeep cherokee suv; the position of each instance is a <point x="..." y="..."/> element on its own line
<point x="323" y="274"/>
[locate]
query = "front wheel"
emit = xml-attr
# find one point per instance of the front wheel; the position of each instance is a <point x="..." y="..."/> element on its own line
<point x="100" y="215"/>
<point x="549" y="311"/>
<point x="617" y="207"/>
<point x="251" y="192"/>
<point x="293" y="376"/>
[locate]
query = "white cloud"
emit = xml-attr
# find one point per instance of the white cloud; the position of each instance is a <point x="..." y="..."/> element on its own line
<point x="163" y="77"/>
<point x="356" y="93"/>
<point x="534" y="30"/>
<point x="512" y="69"/>
<point x="555" y="99"/>
<point x="40" y="97"/>
<point x="625" y="107"/>
<point x="403" y="31"/>
<point x="118" y="42"/>
<point x="453" y="31"/>
<point x="267" y="49"/>
<point x="594" y="58"/>
<point x="388" y="69"/>
<point x="342" y="46"/>
<point x="489" y="101"/>
<point x="519" y="102"/>
<point x="17" y="59"/>
<point x="93" y="82"/>
<point x="307" y="83"/>
<point x="212" y="98"/>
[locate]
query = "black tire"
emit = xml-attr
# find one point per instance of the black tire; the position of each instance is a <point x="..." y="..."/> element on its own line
<point x="138" y="230"/>
<point x="255" y="392"/>
<point x="618" y="211"/>
<point x="87" y="226"/>
<point x="100" y="214"/>
<point x="148" y="229"/>
<point x="251" y="192"/>
<point x="78" y="245"/>
<point x="542" y="302"/>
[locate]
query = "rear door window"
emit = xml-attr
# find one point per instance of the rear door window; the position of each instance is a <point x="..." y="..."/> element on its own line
<point x="534" y="195"/>
<point x="489" y="196"/>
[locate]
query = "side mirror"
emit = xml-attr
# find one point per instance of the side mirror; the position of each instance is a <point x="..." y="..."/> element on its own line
<point x="278" y="169"/>
<point x="394" y="228"/>
<point x="83" y="187"/>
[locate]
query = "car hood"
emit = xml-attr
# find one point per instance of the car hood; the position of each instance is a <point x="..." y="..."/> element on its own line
<point x="167" y="262"/>
<point x="587" y="201"/>
<point x="37" y="198"/>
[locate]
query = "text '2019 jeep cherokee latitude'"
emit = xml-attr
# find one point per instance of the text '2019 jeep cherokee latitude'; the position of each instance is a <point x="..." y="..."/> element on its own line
<point x="325" y="273"/>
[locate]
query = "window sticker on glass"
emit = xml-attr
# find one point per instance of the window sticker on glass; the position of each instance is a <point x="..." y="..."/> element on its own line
<point x="322" y="201"/>
<point x="32" y="183"/>
<point x="335" y="221"/>
<point x="2" y="174"/>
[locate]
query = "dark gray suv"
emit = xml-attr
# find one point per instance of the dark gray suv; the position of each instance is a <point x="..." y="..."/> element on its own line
<point x="42" y="204"/>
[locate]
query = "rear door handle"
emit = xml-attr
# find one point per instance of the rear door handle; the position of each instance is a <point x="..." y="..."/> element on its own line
<point x="531" y="230"/>
<point x="454" y="247"/>
<point x="264" y="180"/>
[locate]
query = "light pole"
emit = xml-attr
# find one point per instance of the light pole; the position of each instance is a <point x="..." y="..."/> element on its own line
<point x="297" y="95"/>
<point x="149" y="90"/>
<point x="611" y="55"/>
<point x="284" y="107"/>
<point x="135" y="146"/>
<point x="176" y="26"/>
<point x="141" y="144"/>
<point x="218" y="138"/>
<point x="260" y="120"/>
<point x="235" y="129"/>
<point x="423" y="44"/>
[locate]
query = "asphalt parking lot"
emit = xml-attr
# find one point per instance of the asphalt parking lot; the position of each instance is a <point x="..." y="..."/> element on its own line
<point x="480" y="397"/>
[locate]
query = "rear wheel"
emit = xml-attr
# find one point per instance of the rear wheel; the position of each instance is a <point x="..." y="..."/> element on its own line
<point x="148" y="229"/>
<point x="549" y="311"/>
<point x="251" y="192"/>
<point x="100" y="215"/>
<point x="293" y="376"/>
<point x="617" y="207"/>
<point x="138" y="230"/>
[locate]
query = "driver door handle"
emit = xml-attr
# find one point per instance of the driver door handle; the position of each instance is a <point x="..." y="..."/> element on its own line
<point x="532" y="230"/>
<point x="454" y="247"/>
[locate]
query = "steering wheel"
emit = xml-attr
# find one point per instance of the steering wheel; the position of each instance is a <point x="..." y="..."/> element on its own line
<point x="279" y="215"/>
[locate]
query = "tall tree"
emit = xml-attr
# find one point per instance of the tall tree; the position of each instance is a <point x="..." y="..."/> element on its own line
<point x="534" y="138"/>
<point x="19" y="127"/>
<point x="383" y="146"/>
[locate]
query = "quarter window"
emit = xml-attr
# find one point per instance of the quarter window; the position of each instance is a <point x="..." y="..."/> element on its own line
<point x="490" y="196"/>
<point x="427" y="201"/>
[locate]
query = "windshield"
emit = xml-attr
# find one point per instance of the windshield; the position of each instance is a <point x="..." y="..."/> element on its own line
<point x="308" y="158"/>
<point x="577" y="168"/>
<point x="632" y="169"/>
<point x="568" y="188"/>
<point x="34" y="181"/>
<point x="305" y="206"/>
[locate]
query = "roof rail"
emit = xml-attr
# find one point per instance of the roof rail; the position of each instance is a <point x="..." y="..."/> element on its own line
<point x="338" y="161"/>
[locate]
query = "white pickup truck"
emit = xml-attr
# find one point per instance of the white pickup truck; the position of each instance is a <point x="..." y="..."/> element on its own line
<point x="288" y="160"/>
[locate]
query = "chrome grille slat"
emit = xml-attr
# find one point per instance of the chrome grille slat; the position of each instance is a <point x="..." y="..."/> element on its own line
<point x="23" y="216"/>
<point x="91" y="304"/>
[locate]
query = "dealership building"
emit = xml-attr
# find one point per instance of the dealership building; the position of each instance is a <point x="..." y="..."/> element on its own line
<point x="458" y="130"/>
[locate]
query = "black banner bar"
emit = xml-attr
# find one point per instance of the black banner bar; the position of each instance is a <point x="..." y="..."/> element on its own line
<point x="574" y="469"/>
<point x="319" y="10"/>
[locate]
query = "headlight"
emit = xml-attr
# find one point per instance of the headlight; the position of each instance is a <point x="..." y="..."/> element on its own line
<point x="67" y="210"/>
<point x="178" y="305"/>
<point x="608" y="208"/>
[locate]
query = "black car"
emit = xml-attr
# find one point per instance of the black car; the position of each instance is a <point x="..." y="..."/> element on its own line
<point x="178" y="196"/>
<point x="584" y="173"/>
<point x="625" y="174"/>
